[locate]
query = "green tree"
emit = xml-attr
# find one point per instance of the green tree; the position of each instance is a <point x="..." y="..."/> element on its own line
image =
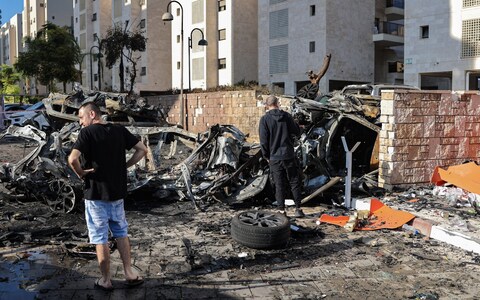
<point x="120" y="44"/>
<point x="9" y="79"/>
<point x="51" y="55"/>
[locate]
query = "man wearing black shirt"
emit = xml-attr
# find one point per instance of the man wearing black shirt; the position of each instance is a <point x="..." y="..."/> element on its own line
<point x="104" y="171"/>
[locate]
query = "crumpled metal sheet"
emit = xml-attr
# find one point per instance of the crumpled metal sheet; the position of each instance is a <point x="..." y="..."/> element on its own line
<point x="227" y="152"/>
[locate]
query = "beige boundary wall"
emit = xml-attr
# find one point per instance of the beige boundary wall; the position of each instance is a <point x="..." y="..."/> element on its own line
<point x="242" y="109"/>
<point x="420" y="130"/>
<point x="425" y="129"/>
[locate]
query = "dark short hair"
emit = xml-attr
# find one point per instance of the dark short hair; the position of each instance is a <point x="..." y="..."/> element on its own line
<point x="92" y="106"/>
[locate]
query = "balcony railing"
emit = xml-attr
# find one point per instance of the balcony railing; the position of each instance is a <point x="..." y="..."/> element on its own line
<point x="389" y="28"/>
<point x="396" y="3"/>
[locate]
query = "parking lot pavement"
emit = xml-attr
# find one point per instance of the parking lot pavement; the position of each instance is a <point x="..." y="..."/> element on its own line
<point x="325" y="261"/>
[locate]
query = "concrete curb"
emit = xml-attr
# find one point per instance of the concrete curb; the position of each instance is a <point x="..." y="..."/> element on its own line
<point x="457" y="239"/>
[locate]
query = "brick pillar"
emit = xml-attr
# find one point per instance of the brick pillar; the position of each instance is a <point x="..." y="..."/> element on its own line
<point x="387" y="135"/>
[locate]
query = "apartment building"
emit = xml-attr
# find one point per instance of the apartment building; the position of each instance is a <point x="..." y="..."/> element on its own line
<point x="36" y="13"/>
<point x="389" y="40"/>
<point x="443" y="44"/>
<point x="229" y="27"/>
<point x="11" y="40"/>
<point x="296" y="36"/>
<point x="92" y="20"/>
<point x="154" y="64"/>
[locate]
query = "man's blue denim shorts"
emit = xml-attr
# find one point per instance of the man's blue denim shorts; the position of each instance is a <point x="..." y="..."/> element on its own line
<point x="104" y="215"/>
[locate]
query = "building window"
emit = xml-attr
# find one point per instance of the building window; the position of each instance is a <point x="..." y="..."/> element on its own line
<point x="94" y="17"/>
<point x="222" y="34"/>
<point x="53" y="17"/>
<point x="178" y="12"/>
<point x="278" y="24"/>
<point x="278" y="59"/>
<point x="312" y="10"/>
<point x="222" y="63"/>
<point x="142" y="23"/>
<point x="178" y="65"/>
<point x="222" y="5"/>
<point x="143" y="71"/>
<point x="76" y="20"/>
<point x="41" y="5"/>
<point x="424" y="32"/>
<point x="178" y="38"/>
<point x="312" y="47"/>
<point x="272" y="2"/>
<point x="471" y="38"/>
<point x="470" y="3"/>
<point x="198" y="68"/>
<point x="197" y="12"/>
<point x="95" y="77"/>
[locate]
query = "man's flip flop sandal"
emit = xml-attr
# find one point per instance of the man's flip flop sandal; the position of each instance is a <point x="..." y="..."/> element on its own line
<point x="101" y="287"/>
<point x="134" y="282"/>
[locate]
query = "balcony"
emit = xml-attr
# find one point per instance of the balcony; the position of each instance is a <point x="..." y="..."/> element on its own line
<point x="395" y="10"/>
<point x="388" y="34"/>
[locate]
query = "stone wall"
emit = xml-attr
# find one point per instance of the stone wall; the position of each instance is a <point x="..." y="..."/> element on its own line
<point x="425" y="129"/>
<point x="242" y="109"/>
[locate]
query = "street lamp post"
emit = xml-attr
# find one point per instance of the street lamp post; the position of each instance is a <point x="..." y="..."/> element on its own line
<point x="91" y="65"/>
<point x="201" y="42"/>
<point x="169" y="17"/>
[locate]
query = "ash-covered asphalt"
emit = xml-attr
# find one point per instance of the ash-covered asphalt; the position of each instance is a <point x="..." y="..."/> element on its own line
<point x="178" y="249"/>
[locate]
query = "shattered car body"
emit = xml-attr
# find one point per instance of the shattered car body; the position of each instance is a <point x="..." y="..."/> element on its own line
<point x="224" y="167"/>
<point x="42" y="174"/>
<point x="218" y="170"/>
<point x="326" y="120"/>
<point x="219" y="165"/>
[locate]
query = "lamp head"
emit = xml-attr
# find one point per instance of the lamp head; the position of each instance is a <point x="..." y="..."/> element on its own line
<point x="167" y="16"/>
<point x="202" y="42"/>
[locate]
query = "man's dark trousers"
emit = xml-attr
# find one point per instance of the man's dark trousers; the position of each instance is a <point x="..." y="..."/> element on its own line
<point x="286" y="174"/>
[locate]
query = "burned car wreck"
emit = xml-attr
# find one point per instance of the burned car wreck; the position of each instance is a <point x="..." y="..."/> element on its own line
<point x="327" y="120"/>
<point x="217" y="166"/>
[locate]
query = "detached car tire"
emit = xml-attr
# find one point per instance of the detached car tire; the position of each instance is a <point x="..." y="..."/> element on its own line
<point x="260" y="229"/>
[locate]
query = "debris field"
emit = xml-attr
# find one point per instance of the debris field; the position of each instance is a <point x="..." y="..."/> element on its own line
<point x="187" y="193"/>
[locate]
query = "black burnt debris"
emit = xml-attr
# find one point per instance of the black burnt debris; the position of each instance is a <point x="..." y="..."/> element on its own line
<point x="218" y="165"/>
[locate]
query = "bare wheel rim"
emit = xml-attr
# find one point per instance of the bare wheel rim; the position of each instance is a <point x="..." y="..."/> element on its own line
<point x="63" y="196"/>
<point x="309" y="91"/>
<point x="260" y="219"/>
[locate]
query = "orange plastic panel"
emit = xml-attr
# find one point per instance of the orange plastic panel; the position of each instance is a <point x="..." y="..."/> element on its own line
<point x="465" y="176"/>
<point x="381" y="216"/>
